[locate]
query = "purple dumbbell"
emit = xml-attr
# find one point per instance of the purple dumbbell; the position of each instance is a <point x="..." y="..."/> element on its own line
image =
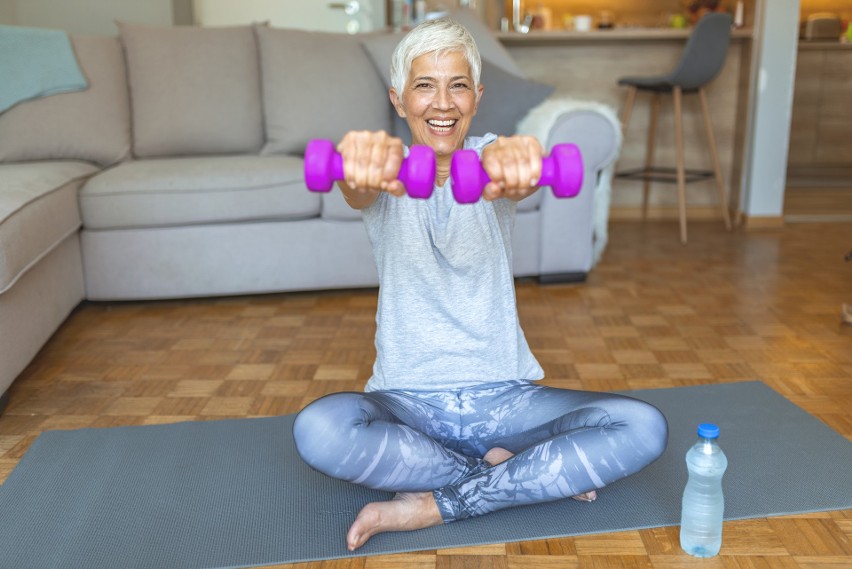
<point x="562" y="170"/>
<point x="324" y="166"/>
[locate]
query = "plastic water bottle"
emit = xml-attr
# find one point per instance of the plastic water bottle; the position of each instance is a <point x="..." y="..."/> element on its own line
<point x="703" y="502"/>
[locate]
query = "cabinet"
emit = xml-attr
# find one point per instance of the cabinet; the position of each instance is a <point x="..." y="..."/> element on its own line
<point x="821" y="129"/>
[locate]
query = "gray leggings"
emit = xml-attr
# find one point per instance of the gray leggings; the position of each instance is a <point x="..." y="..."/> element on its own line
<point x="565" y="442"/>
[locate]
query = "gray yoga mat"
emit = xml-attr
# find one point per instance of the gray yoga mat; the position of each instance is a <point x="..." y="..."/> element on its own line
<point x="234" y="493"/>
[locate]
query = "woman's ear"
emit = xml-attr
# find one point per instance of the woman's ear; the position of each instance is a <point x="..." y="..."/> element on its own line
<point x="479" y="92"/>
<point x="396" y="102"/>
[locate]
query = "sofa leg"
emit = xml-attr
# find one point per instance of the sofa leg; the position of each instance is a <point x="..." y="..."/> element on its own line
<point x="4" y="399"/>
<point x="562" y="278"/>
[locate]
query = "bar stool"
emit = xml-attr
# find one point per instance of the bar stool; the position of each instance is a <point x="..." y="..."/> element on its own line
<point x="702" y="59"/>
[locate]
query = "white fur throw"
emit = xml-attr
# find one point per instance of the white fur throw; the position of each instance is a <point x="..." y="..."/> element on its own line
<point x="538" y="123"/>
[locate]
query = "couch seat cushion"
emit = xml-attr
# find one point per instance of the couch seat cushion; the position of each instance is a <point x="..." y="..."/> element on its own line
<point x="38" y="210"/>
<point x="334" y="207"/>
<point x="182" y="191"/>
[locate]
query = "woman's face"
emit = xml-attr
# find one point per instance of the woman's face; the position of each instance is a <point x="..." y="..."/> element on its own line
<point x="439" y="101"/>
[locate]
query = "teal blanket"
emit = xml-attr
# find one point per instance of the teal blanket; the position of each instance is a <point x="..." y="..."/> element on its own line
<point x="36" y="63"/>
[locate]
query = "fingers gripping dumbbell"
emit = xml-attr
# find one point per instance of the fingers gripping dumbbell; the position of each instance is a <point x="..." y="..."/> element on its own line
<point x="562" y="170"/>
<point x="324" y="166"/>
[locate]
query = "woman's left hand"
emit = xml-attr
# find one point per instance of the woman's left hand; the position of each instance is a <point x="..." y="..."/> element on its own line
<point x="514" y="165"/>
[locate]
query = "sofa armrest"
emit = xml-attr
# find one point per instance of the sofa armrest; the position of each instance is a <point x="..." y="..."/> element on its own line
<point x="574" y="231"/>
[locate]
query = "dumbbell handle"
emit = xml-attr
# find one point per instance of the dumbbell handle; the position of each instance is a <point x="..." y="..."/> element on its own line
<point x="324" y="166"/>
<point x="562" y="170"/>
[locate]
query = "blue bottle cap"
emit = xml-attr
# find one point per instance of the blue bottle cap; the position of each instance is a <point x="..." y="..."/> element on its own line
<point x="708" y="431"/>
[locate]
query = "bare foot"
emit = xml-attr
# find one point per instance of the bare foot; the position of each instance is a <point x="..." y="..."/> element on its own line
<point x="406" y="511"/>
<point x="497" y="455"/>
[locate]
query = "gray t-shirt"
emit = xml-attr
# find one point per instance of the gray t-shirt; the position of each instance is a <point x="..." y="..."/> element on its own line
<point x="447" y="316"/>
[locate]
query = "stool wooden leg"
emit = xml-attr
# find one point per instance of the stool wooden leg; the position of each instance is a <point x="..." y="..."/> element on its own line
<point x="681" y="168"/>
<point x="649" y="153"/>
<point x="717" y="168"/>
<point x="628" y="109"/>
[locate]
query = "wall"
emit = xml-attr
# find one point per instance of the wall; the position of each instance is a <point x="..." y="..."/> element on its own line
<point x="842" y="8"/>
<point x="92" y="17"/>
<point x="8" y="12"/>
<point x="765" y="172"/>
<point x="182" y="12"/>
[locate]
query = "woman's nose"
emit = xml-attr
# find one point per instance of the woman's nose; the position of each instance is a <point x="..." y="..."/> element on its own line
<point x="442" y="100"/>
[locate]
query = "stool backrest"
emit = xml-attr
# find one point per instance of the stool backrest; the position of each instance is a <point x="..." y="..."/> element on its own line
<point x="704" y="53"/>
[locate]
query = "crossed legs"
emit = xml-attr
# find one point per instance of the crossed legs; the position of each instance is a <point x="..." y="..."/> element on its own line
<point x="542" y="444"/>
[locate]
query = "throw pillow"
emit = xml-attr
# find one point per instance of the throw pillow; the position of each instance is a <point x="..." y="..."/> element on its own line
<point x="193" y="90"/>
<point x="505" y="101"/>
<point x="91" y="125"/>
<point x="317" y="85"/>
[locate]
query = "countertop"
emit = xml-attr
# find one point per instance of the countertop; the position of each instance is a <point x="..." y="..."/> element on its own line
<point x="616" y="34"/>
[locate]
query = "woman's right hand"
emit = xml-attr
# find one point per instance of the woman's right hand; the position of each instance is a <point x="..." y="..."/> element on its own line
<point x="371" y="164"/>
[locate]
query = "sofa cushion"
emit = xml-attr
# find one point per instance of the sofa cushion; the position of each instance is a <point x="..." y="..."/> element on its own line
<point x="533" y="202"/>
<point x="38" y="210"/>
<point x="334" y="207"/>
<point x="317" y="85"/>
<point x="194" y="90"/>
<point x="505" y="100"/>
<point x="199" y="190"/>
<point x="91" y="125"/>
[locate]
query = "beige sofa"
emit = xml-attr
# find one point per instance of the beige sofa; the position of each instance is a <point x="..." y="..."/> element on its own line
<point x="178" y="173"/>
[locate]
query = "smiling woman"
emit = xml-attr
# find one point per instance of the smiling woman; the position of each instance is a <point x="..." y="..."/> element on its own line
<point x="452" y="419"/>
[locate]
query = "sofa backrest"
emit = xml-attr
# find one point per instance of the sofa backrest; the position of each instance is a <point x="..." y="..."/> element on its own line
<point x="91" y="125"/>
<point x="193" y="90"/>
<point x="317" y="85"/>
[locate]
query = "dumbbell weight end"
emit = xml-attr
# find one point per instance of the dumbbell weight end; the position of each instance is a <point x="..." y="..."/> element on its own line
<point x="562" y="170"/>
<point x="323" y="165"/>
<point x="418" y="172"/>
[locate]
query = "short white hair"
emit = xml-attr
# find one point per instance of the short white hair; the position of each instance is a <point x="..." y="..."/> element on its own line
<point x="433" y="36"/>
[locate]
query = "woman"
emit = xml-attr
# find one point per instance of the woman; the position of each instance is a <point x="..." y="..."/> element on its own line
<point x="451" y="419"/>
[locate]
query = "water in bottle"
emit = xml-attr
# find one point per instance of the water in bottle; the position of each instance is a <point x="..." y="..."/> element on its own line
<point x="703" y="502"/>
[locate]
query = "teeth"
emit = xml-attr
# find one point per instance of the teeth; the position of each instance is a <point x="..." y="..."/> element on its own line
<point x="438" y="123"/>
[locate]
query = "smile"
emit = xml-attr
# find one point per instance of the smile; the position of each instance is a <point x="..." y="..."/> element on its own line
<point x="442" y="125"/>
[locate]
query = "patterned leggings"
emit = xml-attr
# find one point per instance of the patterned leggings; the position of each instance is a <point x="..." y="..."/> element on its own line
<point x="565" y="442"/>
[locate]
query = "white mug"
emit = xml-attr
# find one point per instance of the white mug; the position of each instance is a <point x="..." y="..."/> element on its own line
<point x="583" y="23"/>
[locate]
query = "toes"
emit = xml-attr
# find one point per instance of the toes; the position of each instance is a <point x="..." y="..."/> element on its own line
<point x="589" y="496"/>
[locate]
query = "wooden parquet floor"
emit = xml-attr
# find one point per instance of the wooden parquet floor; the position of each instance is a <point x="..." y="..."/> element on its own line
<point x="728" y="307"/>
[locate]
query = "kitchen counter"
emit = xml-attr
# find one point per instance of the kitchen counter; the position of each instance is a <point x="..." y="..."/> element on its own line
<point x="540" y="37"/>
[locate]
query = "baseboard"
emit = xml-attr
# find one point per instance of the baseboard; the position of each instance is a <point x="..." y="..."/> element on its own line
<point x="656" y="213"/>
<point x="810" y="175"/>
<point x="562" y="278"/>
<point x="4" y="399"/>
<point x="762" y="222"/>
